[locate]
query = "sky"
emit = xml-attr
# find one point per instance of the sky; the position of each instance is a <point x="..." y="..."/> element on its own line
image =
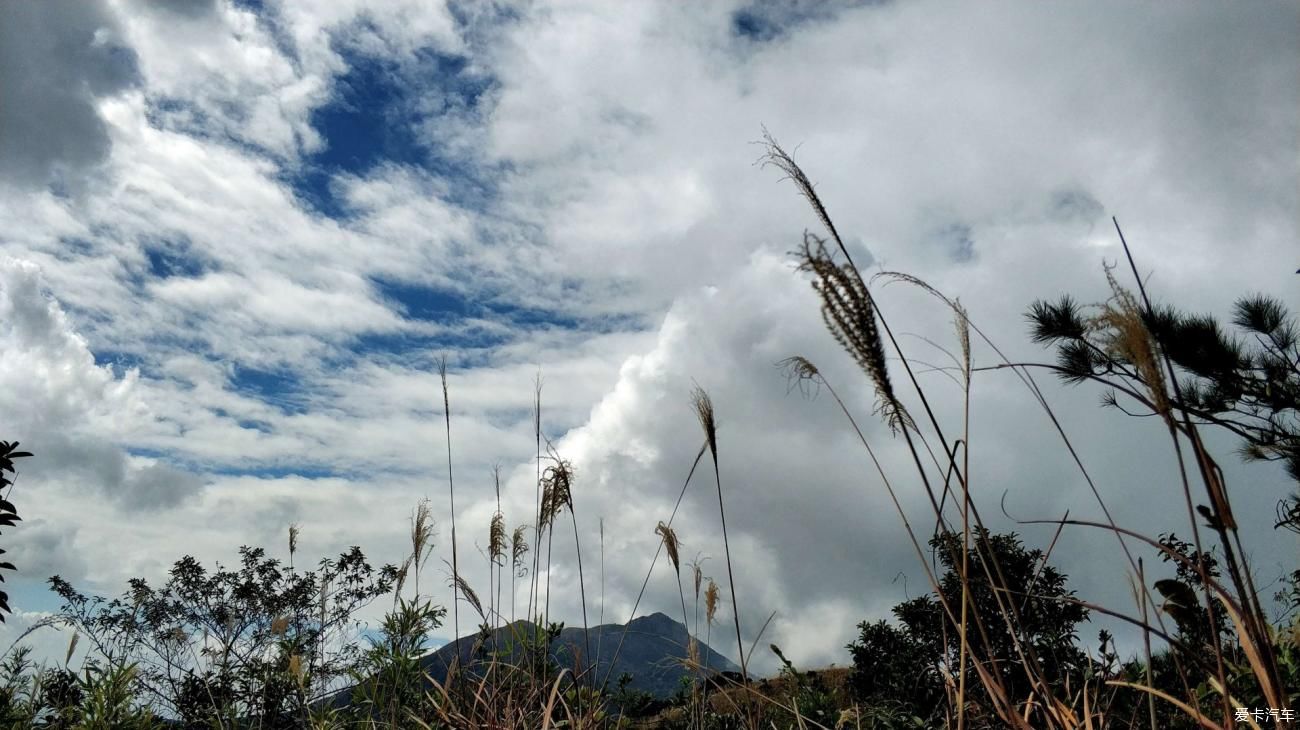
<point x="237" y="236"/>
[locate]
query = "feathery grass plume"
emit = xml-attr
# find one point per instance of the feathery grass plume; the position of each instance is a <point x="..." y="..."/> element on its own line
<point x="458" y="581"/>
<point x="76" y="636"/>
<point x="961" y="320"/>
<point x="557" y="492"/>
<point x="422" y="534"/>
<point x="557" y="495"/>
<point x="781" y="160"/>
<point x="698" y="576"/>
<point x="547" y="515"/>
<point x="800" y="373"/>
<point x="496" y="546"/>
<point x="703" y="406"/>
<point x="518" y="550"/>
<point x="669" y="536"/>
<point x="496" y="560"/>
<point x="518" y="568"/>
<point x="293" y="542"/>
<point x="400" y="581"/>
<point x="1126" y="337"/>
<point x="497" y="539"/>
<point x="710" y="610"/>
<point x="671" y="546"/>
<point x="848" y="307"/>
<point x="850" y="315"/>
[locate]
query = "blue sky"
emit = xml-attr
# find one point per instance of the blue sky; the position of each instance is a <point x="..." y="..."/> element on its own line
<point x="236" y="237"/>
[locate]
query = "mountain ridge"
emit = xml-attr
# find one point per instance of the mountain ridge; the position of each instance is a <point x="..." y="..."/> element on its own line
<point x="652" y="653"/>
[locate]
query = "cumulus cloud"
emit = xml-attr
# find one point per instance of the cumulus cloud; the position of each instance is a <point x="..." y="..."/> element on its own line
<point x="65" y="408"/>
<point x="48" y="548"/>
<point x="57" y="60"/>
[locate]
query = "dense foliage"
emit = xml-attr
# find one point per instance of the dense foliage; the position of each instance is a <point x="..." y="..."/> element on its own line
<point x="904" y="666"/>
<point x="256" y="642"/>
<point x="1247" y="382"/>
<point x="8" y="512"/>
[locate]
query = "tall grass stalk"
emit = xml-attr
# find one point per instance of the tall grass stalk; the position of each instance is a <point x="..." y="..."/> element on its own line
<point x="518" y="553"/>
<point x="496" y="545"/>
<point x="653" y="562"/>
<point x="1252" y="617"/>
<point x="601" y="621"/>
<point x="703" y="406"/>
<point x="669" y="538"/>
<point x="451" y="492"/>
<point x="534" y="597"/>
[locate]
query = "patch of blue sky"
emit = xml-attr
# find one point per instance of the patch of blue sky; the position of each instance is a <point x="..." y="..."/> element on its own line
<point x="473" y="348"/>
<point x="375" y="116"/>
<point x="73" y="247"/>
<point x="252" y="425"/>
<point x="958" y="242"/>
<point x="472" y="325"/>
<point x="766" y="20"/>
<point x="32" y="593"/>
<point x="304" y="470"/>
<point x="754" y="25"/>
<point x="174" y="257"/>
<point x="120" y="361"/>
<point x="423" y="302"/>
<point x="147" y="453"/>
<point x="1075" y="204"/>
<point x="166" y="112"/>
<point x="281" y="388"/>
<point x="444" y="306"/>
<point x="466" y="321"/>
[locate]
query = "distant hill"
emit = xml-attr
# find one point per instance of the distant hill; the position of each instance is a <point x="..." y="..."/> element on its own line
<point x="652" y="653"/>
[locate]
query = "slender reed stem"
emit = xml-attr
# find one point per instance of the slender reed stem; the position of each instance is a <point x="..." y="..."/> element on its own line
<point x="451" y="490"/>
<point x="704" y="409"/>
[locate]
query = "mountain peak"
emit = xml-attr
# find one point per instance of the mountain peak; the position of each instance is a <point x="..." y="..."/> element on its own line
<point x="657" y="620"/>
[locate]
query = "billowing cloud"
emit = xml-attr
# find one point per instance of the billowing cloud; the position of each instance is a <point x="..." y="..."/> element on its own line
<point x="64" y="407"/>
<point x="57" y="60"/>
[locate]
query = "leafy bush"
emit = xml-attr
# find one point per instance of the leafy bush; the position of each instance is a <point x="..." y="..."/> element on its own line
<point x="246" y="643"/>
<point x="903" y="666"/>
<point x="8" y="513"/>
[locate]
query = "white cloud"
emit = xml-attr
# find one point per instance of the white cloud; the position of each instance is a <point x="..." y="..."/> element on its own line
<point x="58" y="59"/>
